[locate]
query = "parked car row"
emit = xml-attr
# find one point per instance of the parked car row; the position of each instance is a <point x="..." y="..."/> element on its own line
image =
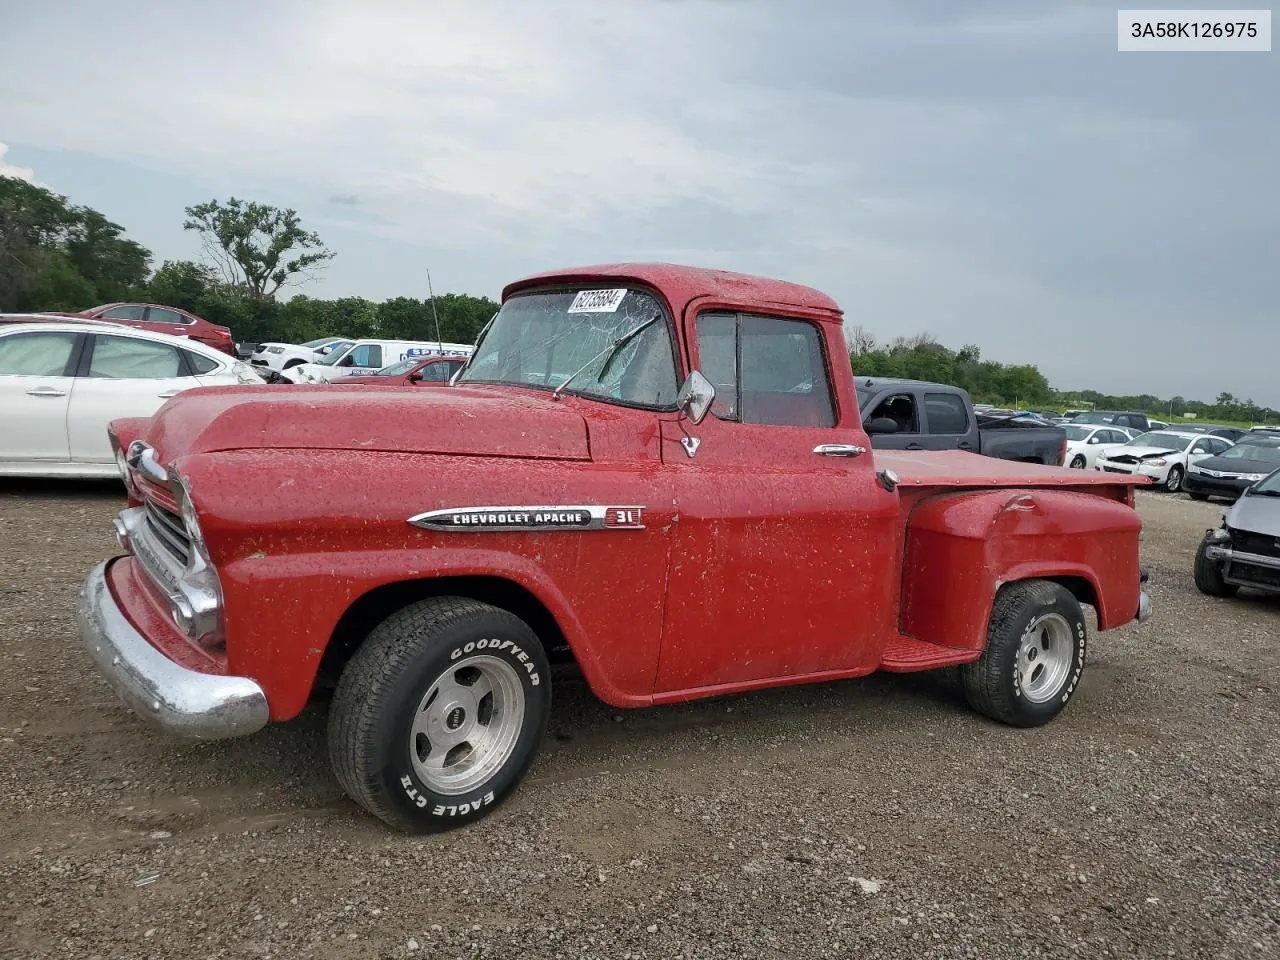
<point x="63" y="380"/>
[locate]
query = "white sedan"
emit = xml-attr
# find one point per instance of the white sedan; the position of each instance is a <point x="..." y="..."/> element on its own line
<point x="1162" y="455"/>
<point x="283" y="356"/>
<point x="62" y="383"/>
<point x="1084" y="440"/>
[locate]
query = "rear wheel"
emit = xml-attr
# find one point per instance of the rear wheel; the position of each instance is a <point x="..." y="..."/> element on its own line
<point x="1173" y="482"/>
<point x="1077" y="462"/>
<point x="1034" y="655"/>
<point x="439" y="713"/>
<point x="1208" y="575"/>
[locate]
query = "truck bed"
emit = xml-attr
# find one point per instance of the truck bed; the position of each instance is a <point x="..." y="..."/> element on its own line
<point x="958" y="468"/>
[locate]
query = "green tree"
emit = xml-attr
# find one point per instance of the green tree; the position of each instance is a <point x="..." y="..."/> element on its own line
<point x="97" y="248"/>
<point x="255" y="245"/>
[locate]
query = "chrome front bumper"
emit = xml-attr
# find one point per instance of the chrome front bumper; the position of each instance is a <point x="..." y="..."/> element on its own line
<point x="182" y="702"/>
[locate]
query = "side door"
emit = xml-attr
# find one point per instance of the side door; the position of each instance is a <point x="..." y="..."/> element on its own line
<point x="364" y="360"/>
<point x="903" y="408"/>
<point x="947" y="423"/>
<point x="783" y="556"/>
<point x="120" y="376"/>
<point x="171" y="322"/>
<point x="36" y="377"/>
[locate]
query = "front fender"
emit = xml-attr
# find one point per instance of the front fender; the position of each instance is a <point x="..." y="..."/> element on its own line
<point x="962" y="548"/>
<point x="282" y="612"/>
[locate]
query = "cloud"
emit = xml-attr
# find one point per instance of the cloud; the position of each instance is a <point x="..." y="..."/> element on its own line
<point x="17" y="173"/>
<point x="984" y="171"/>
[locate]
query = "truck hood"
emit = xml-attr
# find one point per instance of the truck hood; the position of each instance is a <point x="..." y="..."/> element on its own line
<point x="456" y="420"/>
<point x="1256" y="514"/>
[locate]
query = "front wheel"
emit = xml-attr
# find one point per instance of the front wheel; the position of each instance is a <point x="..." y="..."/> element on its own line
<point x="1173" y="482"/>
<point x="1208" y="575"/>
<point x="439" y="713"/>
<point x="1034" y="655"/>
<point x="1078" y="462"/>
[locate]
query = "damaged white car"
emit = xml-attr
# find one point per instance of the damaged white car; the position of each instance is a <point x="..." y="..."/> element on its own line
<point x="1162" y="455"/>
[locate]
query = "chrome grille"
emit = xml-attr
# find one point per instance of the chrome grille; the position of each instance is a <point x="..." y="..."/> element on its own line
<point x="169" y="530"/>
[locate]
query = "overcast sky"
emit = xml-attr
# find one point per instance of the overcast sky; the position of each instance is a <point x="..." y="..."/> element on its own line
<point x="989" y="172"/>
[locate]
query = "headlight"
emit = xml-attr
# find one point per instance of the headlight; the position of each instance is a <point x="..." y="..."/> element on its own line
<point x="1252" y="477"/>
<point x="1158" y="462"/>
<point x="275" y="349"/>
<point x="189" y="517"/>
<point x="1222" y="533"/>
<point x="126" y="475"/>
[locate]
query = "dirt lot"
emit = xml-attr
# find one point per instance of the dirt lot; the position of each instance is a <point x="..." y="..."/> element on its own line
<point x="876" y="818"/>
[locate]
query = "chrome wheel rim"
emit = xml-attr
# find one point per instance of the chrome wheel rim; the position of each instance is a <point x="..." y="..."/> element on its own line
<point x="1045" y="656"/>
<point x="1077" y="463"/>
<point x="1174" y="480"/>
<point x="466" y="726"/>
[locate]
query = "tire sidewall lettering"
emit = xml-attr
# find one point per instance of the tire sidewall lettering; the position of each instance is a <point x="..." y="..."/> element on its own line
<point x="426" y="803"/>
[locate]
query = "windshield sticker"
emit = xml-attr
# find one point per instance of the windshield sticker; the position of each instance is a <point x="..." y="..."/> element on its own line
<point x="597" y="301"/>
<point x="530" y="519"/>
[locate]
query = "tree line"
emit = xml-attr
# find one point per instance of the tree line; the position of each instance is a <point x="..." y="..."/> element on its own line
<point x="921" y="357"/>
<point x="55" y="255"/>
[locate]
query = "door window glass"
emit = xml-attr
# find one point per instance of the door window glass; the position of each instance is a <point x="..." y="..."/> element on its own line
<point x="161" y="315"/>
<point x="901" y="409"/>
<point x="36" y="354"/>
<point x="199" y="363"/>
<point x="126" y="311"/>
<point x="367" y="355"/>
<point x="947" y="413"/>
<point x="128" y="358"/>
<point x="765" y="370"/>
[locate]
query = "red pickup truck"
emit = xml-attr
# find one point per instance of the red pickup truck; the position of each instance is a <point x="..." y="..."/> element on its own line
<point x="659" y="471"/>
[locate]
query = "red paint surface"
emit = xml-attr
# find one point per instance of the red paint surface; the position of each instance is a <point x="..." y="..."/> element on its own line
<point x="761" y="563"/>
<point x="210" y="334"/>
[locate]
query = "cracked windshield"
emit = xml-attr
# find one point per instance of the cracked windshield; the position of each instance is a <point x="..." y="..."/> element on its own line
<point x="543" y="339"/>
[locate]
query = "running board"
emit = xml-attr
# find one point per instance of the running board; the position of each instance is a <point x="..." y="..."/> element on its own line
<point x="905" y="655"/>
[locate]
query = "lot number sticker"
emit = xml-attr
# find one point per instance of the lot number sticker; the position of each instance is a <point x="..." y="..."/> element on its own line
<point x="597" y="301"/>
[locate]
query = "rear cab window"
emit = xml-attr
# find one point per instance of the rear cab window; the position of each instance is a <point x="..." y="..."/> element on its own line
<point x="946" y="413"/>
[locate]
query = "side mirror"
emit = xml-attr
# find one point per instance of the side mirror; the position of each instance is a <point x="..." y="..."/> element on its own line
<point x="1093" y="440"/>
<point x="881" y="425"/>
<point x="347" y="361"/>
<point x="415" y="377"/>
<point x="695" y="397"/>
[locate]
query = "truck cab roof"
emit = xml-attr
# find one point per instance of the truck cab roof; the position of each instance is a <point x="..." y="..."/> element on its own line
<point x="681" y="285"/>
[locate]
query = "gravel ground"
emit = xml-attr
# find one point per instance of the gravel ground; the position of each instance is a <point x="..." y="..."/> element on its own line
<point x="873" y="818"/>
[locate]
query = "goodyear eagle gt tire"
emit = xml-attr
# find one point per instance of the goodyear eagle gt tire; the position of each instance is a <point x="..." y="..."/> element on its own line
<point x="1034" y="656"/>
<point x="439" y="713"/>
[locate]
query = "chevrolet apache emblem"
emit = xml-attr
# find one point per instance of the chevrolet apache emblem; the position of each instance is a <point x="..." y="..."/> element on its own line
<point x="530" y="519"/>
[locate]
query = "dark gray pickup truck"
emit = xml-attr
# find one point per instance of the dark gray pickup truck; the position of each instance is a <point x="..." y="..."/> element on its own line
<point x="917" y="415"/>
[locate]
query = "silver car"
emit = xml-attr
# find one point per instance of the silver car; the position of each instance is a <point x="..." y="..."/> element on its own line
<point x="1245" y="550"/>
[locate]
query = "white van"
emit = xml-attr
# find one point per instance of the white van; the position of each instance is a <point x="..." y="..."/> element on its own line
<point x="364" y="357"/>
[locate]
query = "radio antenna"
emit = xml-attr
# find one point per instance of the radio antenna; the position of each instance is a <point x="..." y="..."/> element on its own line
<point x="434" y="315"/>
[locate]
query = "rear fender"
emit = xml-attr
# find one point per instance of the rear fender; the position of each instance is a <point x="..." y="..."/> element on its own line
<point x="961" y="548"/>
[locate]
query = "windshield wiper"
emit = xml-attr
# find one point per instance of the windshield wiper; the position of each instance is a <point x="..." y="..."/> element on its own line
<point x="612" y="351"/>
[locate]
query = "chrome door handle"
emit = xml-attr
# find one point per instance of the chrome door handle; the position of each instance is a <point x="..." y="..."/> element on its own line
<point x="839" y="450"/>
<point x="46" y="392"/>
